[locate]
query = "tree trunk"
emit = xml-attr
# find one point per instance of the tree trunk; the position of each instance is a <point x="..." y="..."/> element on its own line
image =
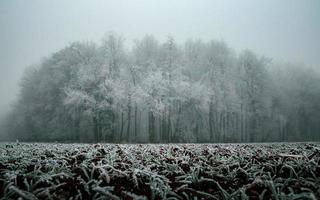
<point x="177" y="128"/>
<point x="121" y="127"/>
<point x="211" y="122"/>
<point x="164" y="132"/>
<point x="151" y="127"/>
<point x="95" y="129"/>
<point x="129" y="120"/>
<point x="76" y="129"/>
<point x="113" y="126"/>
<point x="169" y="126"/>
<point x="135" y="122"/>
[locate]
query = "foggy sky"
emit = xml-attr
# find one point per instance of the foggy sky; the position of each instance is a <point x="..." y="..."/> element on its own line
<point x="30" y="30"/>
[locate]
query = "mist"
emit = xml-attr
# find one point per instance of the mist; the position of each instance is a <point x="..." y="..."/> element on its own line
<point x="286" y="30"/>
<point x="150" y="99"/>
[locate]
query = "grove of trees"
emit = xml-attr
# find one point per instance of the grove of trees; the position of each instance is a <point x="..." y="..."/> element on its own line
<point x="164" y="92"/>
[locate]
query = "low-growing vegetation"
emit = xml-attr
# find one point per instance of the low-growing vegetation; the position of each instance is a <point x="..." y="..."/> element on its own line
<point x="162" y="171"/>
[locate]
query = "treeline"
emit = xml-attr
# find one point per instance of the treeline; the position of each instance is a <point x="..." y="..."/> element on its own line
<point x="164" y="92"/>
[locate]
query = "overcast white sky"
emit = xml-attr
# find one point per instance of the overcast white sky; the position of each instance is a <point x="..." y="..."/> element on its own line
<point x="30" y="30"/>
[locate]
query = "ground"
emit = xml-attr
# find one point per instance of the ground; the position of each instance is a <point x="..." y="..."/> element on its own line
<point x="158" y="171"/>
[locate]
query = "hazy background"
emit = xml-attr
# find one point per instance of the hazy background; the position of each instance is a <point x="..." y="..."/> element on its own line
<point x="30" y="30"/>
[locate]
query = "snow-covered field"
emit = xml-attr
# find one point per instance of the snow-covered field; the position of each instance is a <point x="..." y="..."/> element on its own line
<point x="164" y="171"/>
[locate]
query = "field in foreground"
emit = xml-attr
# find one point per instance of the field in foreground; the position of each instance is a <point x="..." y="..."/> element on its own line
<point x="173" y="171"/>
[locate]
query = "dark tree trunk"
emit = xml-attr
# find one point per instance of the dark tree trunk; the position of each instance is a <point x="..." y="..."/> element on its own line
<point x="211" y="122"/>
<point x="76" y="129"/>
<point x="95" y="129"/>
<point x="177" y="127"/>
<point x="135" y="122"/>
<point x="151" y="127"/>
<point x="122" y="125"/>
<point x="163" y="132"/>
<point x="129" y="120"/>
<point x="169" y="126"/>
<point x="113" y="126"/>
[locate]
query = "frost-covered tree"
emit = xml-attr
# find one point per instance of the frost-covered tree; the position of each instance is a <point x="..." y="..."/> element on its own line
<point x="253" y="92"/>
<point x="164" y="92"/>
